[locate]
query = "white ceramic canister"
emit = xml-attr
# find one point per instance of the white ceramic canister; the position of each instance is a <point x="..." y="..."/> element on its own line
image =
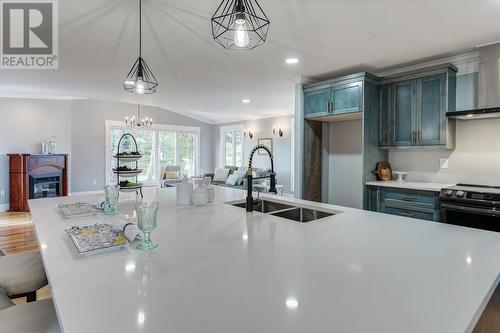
<point x="211" y="194"/>
<point x="184" y="192"/>
<point x="200" y="197"/>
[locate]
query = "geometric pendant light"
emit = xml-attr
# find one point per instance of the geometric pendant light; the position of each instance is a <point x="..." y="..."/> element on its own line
<point x="240" y="24"/>
<point x="140" y="79"/>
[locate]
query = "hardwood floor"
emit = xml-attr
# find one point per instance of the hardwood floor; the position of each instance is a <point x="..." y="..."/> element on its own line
<point x="17" y="235"/>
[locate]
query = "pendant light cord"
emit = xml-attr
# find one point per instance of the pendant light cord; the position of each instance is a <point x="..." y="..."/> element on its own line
<point x="140" y="28"/>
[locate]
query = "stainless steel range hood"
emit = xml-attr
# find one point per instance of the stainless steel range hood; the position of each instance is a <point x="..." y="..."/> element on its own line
<point x="488" y="86"/>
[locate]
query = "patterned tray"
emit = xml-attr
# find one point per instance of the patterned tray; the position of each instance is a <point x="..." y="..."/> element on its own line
<point x="96" y="238"/>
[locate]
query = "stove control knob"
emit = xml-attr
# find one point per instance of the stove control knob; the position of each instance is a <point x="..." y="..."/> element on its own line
<point x="460" y="194"/>
<point x="488" y="196"/>
<point x="448" y="193"/>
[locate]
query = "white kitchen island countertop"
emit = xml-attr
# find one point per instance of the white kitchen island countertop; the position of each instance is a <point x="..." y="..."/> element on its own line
<point x="424" y="186"/>
<point x="219" y="269"/>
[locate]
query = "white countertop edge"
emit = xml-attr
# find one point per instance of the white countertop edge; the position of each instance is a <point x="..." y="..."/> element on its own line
<point x="424" y="186"/>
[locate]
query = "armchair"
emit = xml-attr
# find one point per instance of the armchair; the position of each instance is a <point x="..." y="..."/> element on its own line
<point x="170" y="182"/>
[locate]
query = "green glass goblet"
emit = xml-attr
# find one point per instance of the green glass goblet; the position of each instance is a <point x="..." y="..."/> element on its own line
<point x="146" y="218"/>
<point x="111" y="205"/>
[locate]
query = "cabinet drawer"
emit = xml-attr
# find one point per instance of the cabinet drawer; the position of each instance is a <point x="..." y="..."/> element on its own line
<point x="417" y="197"/>
<point x="409" y="213"/>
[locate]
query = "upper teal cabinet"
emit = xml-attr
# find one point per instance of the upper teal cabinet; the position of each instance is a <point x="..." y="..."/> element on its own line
<point x="431" y="120"/>
<point x="403" y="108"/>
<point x="413" y="108"/>
<point x="347" y="97"/>
<point x="317" y="102"/>
<point x="335" y="97"/>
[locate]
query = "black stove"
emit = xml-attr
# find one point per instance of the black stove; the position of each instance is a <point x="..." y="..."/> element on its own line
<point x="475" y="206"/>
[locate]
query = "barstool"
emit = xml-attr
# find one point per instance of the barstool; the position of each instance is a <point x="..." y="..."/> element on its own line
<point x="21" y="275"/>
<point x="5" y="301"/>
<point x="37" y="317"/>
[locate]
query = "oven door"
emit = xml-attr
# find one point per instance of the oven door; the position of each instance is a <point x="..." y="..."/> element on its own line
<point x="478" y="217"/>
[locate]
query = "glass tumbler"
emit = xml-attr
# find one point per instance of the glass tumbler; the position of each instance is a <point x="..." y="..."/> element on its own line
<point x="146" y="218"/>
<point x="111" y="206"/>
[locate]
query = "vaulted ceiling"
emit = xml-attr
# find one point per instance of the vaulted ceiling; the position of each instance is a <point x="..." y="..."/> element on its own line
<point x="98" y="44"/>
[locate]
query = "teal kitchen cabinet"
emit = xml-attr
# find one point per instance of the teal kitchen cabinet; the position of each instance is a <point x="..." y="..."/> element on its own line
<point x="317" y="102"/>
<point x="347" y="98"/>
<point x="417" y="204"/>
<point x="413" y="108"/>
<point x="335" y="97"/>
<point x="384" y="128"/>
<point x="431" y="118"/>
<point x="404" y="102"/>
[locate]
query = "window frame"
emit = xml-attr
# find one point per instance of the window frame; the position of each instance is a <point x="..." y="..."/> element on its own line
<point x="156" y="157"/>
<point x="231" y="129"/>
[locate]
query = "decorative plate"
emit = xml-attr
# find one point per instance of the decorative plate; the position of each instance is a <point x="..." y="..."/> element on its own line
<point x="129" y="158"/>
<point x="130" y="188"/>
<point x="128" y="173"/>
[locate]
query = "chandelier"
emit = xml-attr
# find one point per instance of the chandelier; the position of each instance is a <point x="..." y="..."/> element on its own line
<point x="240" y="24"/>
<point x="138" y="122"/>
<point x="140" y="79"/>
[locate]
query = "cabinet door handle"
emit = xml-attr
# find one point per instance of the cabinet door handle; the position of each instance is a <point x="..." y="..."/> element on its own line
<point x="407" y="214"/>
<point x="412" y="136"/>
<point x="407" y="198"/>
<point x="419" y="135"/>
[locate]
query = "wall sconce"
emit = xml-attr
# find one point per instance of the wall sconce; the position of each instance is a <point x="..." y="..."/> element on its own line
<point x="278" y="131"/>
<point x="248" y="133"/>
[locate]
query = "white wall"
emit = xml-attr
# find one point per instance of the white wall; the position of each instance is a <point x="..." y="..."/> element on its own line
<point x="344" y="163"/>
<point x="24" y="124"/>
<point x="262" y="128"/>
<point x="79" y="126"/>
<point x="476" y="158"/>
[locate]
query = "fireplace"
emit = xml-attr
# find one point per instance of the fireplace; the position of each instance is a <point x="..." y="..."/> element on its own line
<point x="45" y="186"/>
<point x="36" y="177"/>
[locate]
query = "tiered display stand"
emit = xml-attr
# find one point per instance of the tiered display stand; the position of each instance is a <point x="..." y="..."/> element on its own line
<point x="132" y="173"/>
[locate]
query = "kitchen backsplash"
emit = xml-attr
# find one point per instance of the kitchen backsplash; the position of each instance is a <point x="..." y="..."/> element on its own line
<point x="476" y="158"/>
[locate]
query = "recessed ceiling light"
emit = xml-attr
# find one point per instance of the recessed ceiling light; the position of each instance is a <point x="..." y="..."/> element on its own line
<point x="246" y="101"/>
<point x="292" y="61"/>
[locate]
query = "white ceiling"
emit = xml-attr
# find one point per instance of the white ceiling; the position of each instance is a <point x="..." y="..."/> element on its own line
<point x="98" y="44"/>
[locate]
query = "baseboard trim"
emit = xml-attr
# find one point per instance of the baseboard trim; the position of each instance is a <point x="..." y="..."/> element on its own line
<point x="84" y="193"/>
<point x="4" y="207"/>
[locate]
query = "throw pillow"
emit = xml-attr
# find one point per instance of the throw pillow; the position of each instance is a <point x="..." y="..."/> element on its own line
<point x="171" y="175"/>
<point x="220" y="175"/>
<point x="241" y="176"/>
<point x="232" y="179"/>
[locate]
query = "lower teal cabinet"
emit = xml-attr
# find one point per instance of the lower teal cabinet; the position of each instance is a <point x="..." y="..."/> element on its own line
<point x="404" y="202"/>
<point x="408" y="212"/>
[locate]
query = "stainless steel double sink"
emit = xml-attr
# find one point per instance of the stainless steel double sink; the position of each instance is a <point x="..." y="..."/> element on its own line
<point x="294" y="213"/>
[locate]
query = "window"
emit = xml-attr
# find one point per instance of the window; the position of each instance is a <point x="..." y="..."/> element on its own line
<point x="178" y="148"/>
<point x="160" y="145"/>
<point x="231" y="145"/>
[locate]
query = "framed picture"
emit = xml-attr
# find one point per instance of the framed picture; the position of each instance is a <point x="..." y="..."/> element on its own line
<point x="268" y="142"/>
